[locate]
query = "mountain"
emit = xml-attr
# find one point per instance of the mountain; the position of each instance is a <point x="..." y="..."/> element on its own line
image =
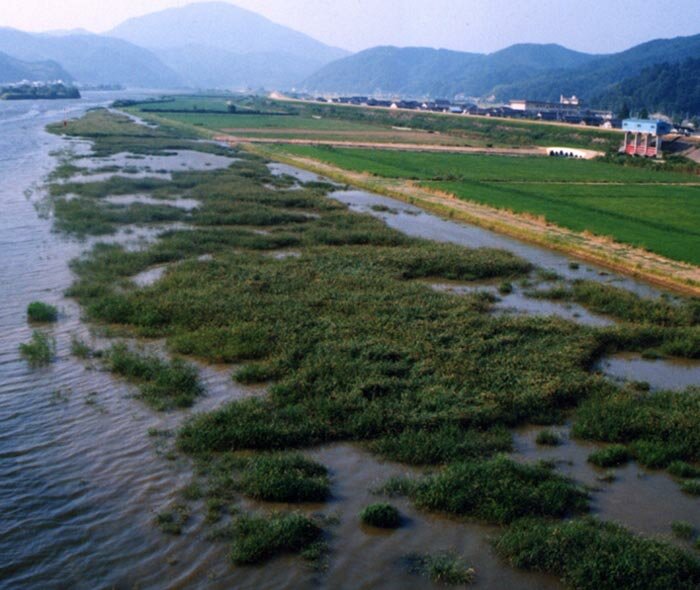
<point x="596" y="76"/>
<point x="91" y="59"/>
<point x="15" y="70"/>
<point x="672" y="88"/>
<point x="419" y="71"/>
<point x="202" y="66"/>
<point x="216" y="44"/>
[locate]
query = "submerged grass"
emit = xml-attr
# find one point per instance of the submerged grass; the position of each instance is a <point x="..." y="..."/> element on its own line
<point x="40" y="350"/>
<point x="442" y="568"/>
<point x="164" y="384"/>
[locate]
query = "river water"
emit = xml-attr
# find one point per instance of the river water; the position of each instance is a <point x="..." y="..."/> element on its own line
<point x="81" y="479"/>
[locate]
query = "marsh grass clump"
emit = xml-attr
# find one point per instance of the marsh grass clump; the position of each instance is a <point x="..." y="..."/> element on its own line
<point x="683" y="530"/>
<point x="442" y="445"/>
<point x="505" y="288"/>
<point x="691" y="487"/>
<point x="548" y="438"/>
<point x="612" y="456"/>
<point x="37" y="311"/>
<point x="658" y="427"/>
<point x="381" y="515"/>
<point x="442" y="568"/>
<point x="684" y="470"/>
<point x="163" y="384"/>
<point x="79" y="348"/>
<point x="284" y="478"/>
<point x="172" y="520"/>
<point x="40" y="350"/>
<point x="256" y="538"/>
<point x="499" y="491"/>
<point x="593" y="555"/>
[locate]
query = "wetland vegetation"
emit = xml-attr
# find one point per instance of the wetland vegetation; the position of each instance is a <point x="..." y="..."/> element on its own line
<point x="354" y="346"/>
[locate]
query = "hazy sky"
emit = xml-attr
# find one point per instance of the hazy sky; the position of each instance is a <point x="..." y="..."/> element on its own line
<point x="470" y="25"/>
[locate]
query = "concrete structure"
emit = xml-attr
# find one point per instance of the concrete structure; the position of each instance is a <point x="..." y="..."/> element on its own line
<point x="644" y="137"/>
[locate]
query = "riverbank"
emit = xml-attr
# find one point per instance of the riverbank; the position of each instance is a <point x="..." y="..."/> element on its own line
<point x="663" y="272"/>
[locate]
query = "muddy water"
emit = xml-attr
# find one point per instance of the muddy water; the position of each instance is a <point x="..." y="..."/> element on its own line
<point x="517" y="302"/>
<point x="81" y="478"/>
<point x="669" y="374"/>
<point x="643" y="500"/>
<point x="413" y="221"/>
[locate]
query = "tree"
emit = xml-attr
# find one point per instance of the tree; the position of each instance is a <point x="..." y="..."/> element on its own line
<point x="624" y="111"/>
<point x="230" y="107"/>
<point x="644" y="114"/>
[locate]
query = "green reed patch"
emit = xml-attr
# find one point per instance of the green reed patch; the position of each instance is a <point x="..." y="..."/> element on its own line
<point x="444" y="444"/>
<point x="381" y="515"/>
<point x="592" y="555"/>
<point x="499" y="490"/>
<point x="257" y="538"/>
<point x="660" y="427"/>
<point x="684" y="470"/>
<point x="40" y="350"/>
<point x="691" y="487"/>
<point x="284" y="478"/>
<point x="38" y="311"/>
<point x="172" y="520"/>
<point x="163" y="384"/>
<point x="683" y="530"/>
<point x="612" y="456"/>
<point x="442" y="568"/>
<point x="548" y="438"/>
<point x="624" y="305"/>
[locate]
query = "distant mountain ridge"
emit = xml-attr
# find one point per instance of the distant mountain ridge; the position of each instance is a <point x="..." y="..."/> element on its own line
<point x="538" y="72"/>
<point x="216" y="44"/>
<point x="15" y="70"/>
<point x="596" y="76"/>
<point x="671" y="88"/>
<point x="91" y="59"/>
<point x="420" y="71"/>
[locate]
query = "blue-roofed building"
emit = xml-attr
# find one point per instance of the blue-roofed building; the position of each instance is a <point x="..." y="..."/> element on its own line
<point x="644" y="137"/>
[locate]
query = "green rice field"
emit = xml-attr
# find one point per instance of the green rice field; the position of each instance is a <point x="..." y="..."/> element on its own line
<point x="652" y="209"/>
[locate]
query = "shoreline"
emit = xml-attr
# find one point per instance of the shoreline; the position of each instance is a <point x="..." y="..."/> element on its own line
<point x="676" y="276"/>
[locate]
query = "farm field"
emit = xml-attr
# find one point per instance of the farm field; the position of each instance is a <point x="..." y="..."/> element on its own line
<point x="659" y="211"/>
<point x="380" y="124"/>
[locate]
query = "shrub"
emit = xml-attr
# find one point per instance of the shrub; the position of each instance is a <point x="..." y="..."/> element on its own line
<point x="593" y="555"/>
<point x="41" y="312"/>
<point x="258" y="538"/>
<point x="612" y="456"/>
<point x="40" y="350"/>
<point x="383" y="516"/>
<point x="548" y="438"/>
<point x="442" y="568"/>
<point x="285" y="478"/>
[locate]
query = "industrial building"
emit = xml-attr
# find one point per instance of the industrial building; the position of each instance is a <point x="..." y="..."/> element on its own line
<point x="644" y="137"/>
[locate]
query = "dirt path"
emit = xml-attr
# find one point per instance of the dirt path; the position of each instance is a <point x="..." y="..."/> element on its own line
<point x="623" y="258"/>
<point x="411" y="147"/>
